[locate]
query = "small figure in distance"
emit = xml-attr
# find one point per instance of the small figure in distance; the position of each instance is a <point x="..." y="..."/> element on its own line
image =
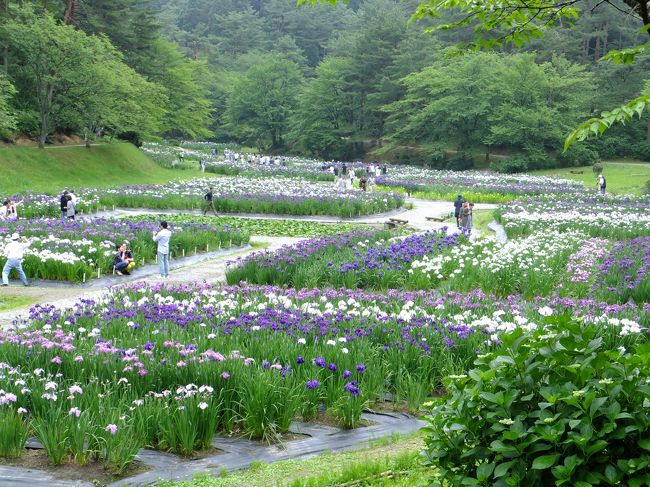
<point x="602" y="183"/>
<point x="209" y="202"/>
<point x="458" y="204"/>
<point x="14" y="252"/>
<point x="71" y="209"/>
<point x="64" y="204"/>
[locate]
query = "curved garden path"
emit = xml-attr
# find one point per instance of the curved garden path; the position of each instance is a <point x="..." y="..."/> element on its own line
<point x="211" y="268"/>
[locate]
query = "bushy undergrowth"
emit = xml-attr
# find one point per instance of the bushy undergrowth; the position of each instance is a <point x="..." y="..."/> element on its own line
<point x="551" y="407"/>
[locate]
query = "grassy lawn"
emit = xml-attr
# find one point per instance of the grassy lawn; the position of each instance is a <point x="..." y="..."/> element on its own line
<point x="481" y="219"/>
<point x="51" y="170"/>
<point x="8" y="303"/>
<point x="623" y="177"/>
<point x="393" y="454"/>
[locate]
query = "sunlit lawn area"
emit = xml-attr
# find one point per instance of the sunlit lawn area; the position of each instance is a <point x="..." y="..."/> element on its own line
<point x="623" y="177"/>
<point x="392" y="461"/>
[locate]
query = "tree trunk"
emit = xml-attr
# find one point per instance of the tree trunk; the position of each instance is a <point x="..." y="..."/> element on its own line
<point x="45" y="117"/>
<point x="68" y="17"/>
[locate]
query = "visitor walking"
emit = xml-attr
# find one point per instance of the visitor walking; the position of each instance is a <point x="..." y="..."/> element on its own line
<point x="602" y="183"/>
<point x="71" y="209"/>
<point x="202" y="165"/>
<point x="209" y="202"/>
<point x="162" y="238"/>
<point x="458" y="204"/>
<point x="14" y="252"/>
<point x="464" y="217"/>
<point x="470" y="223"/>
<point x="64" y="204"/>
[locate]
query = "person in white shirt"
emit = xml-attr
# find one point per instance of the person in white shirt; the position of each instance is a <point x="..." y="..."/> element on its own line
<point x="162" y="237"/>
<point x="4" y="210"/>
<point x="14" y="252"/>
<point x="12" y="212"/>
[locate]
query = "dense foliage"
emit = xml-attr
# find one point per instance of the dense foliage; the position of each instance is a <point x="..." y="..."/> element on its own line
<point x="334" y="82"/>
<point x="556" y="406"/>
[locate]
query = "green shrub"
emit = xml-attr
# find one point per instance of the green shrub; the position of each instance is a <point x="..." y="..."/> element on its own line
<point x="578" y="156"/>
<point x="641" y="150"/>
<point x="459" y="161"/>
<point x="559" y="406"/>
<point x="509" y="165"/>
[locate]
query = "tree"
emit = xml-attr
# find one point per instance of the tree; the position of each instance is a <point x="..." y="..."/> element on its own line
<point x="52" y="61"/>
<point x="499" y="22"/>
<point x="449" y="101"/>
<point x="119" y="100"/>
<point x="491" y="99"/>
<point x="261" y="100"/>
<point x="7" y="118"/>
<point x="186" y="83"/>
<point x="323" y="123"/>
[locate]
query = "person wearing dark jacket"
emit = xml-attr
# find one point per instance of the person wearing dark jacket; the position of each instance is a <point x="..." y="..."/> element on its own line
<point x="209" y="203"/>
<point x="458" y="204"/>
<point x="119" y="263"/>
<point x="64" y="204"/>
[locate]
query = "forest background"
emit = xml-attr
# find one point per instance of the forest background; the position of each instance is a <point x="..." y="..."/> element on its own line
<point x="351" y="81"/>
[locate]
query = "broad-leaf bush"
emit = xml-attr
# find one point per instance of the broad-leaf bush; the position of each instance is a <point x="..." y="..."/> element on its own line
<point x="550" y="407"/>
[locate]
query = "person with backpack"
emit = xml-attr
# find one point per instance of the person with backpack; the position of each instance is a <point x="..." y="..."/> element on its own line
<point x="209" y="202"/>
<point x="602" y="183"/>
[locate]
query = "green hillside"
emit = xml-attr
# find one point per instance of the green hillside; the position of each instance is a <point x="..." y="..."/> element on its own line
<point x="50" y="170"/>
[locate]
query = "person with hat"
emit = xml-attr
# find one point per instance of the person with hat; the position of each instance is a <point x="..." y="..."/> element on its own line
<point x="14" y="252"/>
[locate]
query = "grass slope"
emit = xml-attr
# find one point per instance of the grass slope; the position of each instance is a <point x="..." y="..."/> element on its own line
<point x="50" y="170"/>
<point x="622" y="177"/>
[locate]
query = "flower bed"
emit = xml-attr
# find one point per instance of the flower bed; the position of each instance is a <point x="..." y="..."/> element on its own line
<point x="74" y="250"/>
<point x="167" y="367"/>
<point x="533" y="266"/>
<point x="476" y="186"/>
<point x="624" y="273"/>
<point x="362" y="259"/>
<point x="290" y="196"/>
<point x="608" y="216"/>
<point x="48" y="206"/>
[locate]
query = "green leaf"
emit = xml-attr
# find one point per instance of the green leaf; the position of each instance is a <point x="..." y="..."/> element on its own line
<point x="503" y="468"/>
<point x="596" y="404"/>
<point x="484" y="471"/>
<point x="645" y="443"/>
<point x="545" y="461"/>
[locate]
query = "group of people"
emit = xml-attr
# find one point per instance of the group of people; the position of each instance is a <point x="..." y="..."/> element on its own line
<point x="345" y="178"/>
<point x="463" y="211"/>
<point x="124" y="262"/>
<point x="9" y="210"/>
<point x="68" y="202"/>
